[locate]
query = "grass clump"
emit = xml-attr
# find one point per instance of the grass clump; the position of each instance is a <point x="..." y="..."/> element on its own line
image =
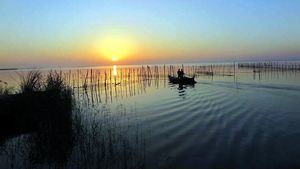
<point x="55" y="82"/>
<point x="4" y="91"/>
<point x="34" y="81"/>
<point x="39" y="101"/>
<point x="31" y="82"/>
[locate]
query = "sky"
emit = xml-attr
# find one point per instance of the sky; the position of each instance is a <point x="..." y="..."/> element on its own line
<point x="37" y="33"/>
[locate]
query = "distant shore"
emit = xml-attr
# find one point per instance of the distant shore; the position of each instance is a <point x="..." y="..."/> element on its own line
<point x="8" y="69"/>
<point x="149" y="64"/>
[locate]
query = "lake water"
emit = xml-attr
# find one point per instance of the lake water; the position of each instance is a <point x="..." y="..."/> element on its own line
<point x="234" y="119"/>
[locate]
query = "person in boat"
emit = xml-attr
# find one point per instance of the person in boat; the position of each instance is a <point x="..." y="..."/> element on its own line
<point x="180" y="73"/>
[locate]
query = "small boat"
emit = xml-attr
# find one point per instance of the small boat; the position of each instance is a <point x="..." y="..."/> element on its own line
<point x="183" y="80"/>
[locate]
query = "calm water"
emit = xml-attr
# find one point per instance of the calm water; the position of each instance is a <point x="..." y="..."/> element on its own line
<point x="250" y="120"/>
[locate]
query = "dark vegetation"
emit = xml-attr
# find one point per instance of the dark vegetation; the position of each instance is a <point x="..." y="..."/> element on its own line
<point x="43" y="126"/>
<point x="35" y="104"/>
<point x="4" y="90"/>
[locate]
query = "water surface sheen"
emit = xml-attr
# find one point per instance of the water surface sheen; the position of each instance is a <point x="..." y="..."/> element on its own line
<point x="249" y="120"/>
<point x="223" y="124"/>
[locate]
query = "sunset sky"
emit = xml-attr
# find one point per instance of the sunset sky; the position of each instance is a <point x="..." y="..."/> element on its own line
<point x="80" y="33"/>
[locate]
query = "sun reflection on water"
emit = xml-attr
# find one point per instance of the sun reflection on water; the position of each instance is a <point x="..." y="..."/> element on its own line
<point x="115" y="70"/>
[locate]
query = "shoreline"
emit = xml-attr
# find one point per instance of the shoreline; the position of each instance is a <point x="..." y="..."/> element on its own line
<point x="8" y="69"/>
<point x="150" y="64"/>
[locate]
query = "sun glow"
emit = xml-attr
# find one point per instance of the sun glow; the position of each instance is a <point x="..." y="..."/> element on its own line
<point x="115" y="48"/>
<point x="114" y="58"/>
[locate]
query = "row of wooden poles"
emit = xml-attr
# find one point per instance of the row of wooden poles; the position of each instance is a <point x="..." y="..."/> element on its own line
<point x="271" y="65"/>
<point x="84" y="78"/>
<point x="129" y="81"/>
<point x="110" y="83"/>
<point x="106" y="84"/>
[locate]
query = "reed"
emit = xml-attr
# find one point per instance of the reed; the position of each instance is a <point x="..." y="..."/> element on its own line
<point x="63" y="133"/>
<point x="4" y="89"/>
<point x="55" y="82"/>
<point x="93" y="140"/>
<point x="31" y="82"/>
<point x="97" y="82"/>
<point x="103" y="142"/>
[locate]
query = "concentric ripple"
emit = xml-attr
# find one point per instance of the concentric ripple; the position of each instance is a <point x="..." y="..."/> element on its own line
<point x="217" y="125"/>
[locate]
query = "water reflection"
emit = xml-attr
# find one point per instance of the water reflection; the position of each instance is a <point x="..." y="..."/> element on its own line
<point x="36" y="128"/>
<point x="116" y="83"/>
<point x="106" y="84"/>
<point x="182" y="89"/>
<point x="115" y="70"/>
<point x="206" y="126"/>
<point x="50" y="133"/>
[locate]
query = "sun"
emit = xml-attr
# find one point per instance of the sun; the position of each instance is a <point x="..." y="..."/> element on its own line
<point x="114" y="58"/>
<point x="115" y="48"/>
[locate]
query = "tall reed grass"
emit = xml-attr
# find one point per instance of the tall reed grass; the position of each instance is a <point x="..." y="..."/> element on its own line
<point x="53" y="130"/>
<point x="31" y="82"/>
